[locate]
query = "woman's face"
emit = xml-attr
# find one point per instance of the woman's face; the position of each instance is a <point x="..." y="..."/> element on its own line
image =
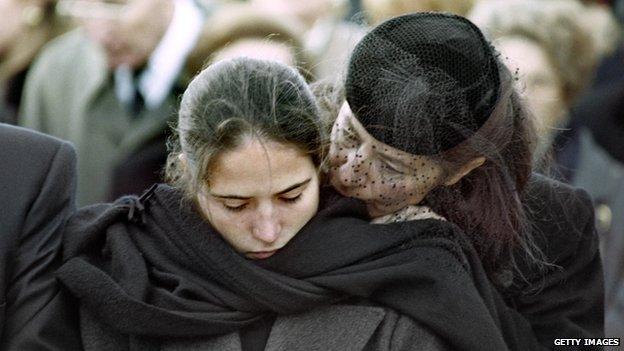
<point x="259" y="195"/>
<point x="387" y="179"/>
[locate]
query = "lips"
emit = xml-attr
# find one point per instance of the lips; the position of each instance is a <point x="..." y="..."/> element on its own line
<point x="260" y="255"/>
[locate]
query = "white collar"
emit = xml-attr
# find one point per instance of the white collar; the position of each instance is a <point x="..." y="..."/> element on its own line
<point x="167" y="61"/>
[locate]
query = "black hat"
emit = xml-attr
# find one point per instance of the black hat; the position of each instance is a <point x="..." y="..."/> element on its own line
<point x="423" y="82"/>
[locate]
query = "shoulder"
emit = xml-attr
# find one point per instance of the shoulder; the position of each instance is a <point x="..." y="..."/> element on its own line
<point x="551" y="204"/>
<point x="128" y="214"/>
<point x="68" y="56"/>
<point x="89" y="225"/>
<point x="19" y="138"/>
<point x="67" y="45"/>
<point x="28" y="156"/>
<point x="561" y="219"/>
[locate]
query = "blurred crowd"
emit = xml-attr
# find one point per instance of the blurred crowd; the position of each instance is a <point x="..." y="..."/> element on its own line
<point x="107" y="76"/>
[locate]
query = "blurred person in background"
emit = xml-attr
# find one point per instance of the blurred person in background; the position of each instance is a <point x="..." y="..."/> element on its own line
<point x="240" y="30"/>
<point x="550" y="48"/>
<point x="25" y="27"/>
<point x="37" y="186"/>
<point x="377" y="11"/>
<point x="110" y="86"/>
<point x="328" y="37"/>
<point x="590" y="154"/>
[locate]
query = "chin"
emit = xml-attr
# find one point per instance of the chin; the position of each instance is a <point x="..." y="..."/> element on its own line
<point x="375" y="211"/>
<point x="379" y="210"/>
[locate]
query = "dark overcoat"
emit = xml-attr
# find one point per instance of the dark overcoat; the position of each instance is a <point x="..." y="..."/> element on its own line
<point x="37" y="184"/>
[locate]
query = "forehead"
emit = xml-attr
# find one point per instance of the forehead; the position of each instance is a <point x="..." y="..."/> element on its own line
<point x="347" y="121"/>
<point x="259" y="168"/>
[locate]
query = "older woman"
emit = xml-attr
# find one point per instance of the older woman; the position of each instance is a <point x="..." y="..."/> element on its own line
<point x="433" y="118"/>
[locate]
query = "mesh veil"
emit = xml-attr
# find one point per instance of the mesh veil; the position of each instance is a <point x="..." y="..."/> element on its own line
<point x="423" y="82"/>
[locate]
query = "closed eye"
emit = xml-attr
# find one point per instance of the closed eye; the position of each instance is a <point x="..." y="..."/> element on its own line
<point x="292" y="199"/>
<point x="235" y="208"/>
<point x="392" y="168"/>
<point x="235" y="205"/>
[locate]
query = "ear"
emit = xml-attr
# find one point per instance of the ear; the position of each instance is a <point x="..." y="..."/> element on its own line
<point x="463" y="170"/>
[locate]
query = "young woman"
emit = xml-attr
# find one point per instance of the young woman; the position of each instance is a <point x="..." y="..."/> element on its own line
<point x="234" y="256"/>
<point x="433" y="119"/>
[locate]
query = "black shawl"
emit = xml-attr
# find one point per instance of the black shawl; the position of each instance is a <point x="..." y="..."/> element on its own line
<point x="151" y="268"/>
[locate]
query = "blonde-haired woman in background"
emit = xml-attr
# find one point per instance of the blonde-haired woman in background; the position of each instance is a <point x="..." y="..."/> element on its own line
<point x="550" y="47"/>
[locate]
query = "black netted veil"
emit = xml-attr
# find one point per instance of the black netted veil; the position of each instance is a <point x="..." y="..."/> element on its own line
<point x="423" y="82"/>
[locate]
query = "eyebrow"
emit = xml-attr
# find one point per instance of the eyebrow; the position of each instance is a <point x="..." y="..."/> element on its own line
<point x="282" y="192"/>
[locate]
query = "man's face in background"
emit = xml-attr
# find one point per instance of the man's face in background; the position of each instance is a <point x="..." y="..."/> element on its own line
<point x="127" y="30"/>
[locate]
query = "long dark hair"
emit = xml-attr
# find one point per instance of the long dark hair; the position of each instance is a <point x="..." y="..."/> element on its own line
<point x="487" y="202"/>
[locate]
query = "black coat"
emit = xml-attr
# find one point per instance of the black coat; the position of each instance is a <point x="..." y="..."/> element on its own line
<point x="110" y="254"/>
<point x="37" y="184"/>
<point x="567" y="300"/>
<point x="590" y="154"/>
<point x="151" y="270"/>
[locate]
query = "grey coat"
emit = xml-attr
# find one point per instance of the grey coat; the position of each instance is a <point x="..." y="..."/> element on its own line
<point x="69" y="93"/>
<point x="37" y="184"/>
<point x="331" y="328"/>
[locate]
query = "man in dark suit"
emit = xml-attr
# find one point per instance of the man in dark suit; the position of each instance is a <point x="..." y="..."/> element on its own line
<point x="37" y="185"/>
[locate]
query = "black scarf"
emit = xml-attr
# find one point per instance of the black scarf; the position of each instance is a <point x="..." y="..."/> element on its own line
<point x="153" y="268"/>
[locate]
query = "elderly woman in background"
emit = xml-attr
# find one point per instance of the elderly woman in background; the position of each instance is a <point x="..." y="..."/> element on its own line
<point x="550" y="47"/>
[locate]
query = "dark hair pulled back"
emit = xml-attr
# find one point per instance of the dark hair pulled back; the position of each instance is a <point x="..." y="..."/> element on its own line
<point x="233" y="100"/>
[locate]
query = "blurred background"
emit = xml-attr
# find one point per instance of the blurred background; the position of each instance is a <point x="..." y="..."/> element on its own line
<point x="107" y="76"/>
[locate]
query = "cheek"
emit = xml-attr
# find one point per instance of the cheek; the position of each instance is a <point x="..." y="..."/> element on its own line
<point x="403" y="191"/>
<point x="294" y="216"/>
<point x="418" y="187"/>
<point x="391" y="190"/>
<point x="231" y="225"/>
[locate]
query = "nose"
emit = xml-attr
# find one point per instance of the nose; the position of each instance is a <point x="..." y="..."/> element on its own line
<point x="266" y="227"/>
